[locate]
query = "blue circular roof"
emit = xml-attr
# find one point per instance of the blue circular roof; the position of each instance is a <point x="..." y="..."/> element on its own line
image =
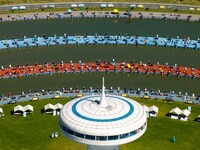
<point x="74" y="110"/>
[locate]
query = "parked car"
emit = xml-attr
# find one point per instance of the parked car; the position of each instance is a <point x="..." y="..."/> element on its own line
<point x="15" y="8"/>
<point x="103" y="5"/>
<point x="133" y="6"/>
<point x="81" y="5"/>
<point x="74" y="5"/>
<point x="22" y="7"/>
<point x="111" y="5"/>
<point x="51" y="6"/>
<point x="44" y="6"/>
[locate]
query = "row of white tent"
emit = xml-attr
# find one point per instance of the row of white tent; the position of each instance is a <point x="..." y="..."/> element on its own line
<point x="151" y="111"/>
<point x="20" y="109"/>
<point x="177" y="113"/>
<point x="49" y="108"/>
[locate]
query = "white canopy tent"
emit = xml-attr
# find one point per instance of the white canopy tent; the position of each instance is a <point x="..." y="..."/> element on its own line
<point x="198" y="118"/>
<point x="153" y="111"/>
<point x="184" y="115"/>
<point x="49" y="108"/>
<point x="175" y="112"/>
<point x="28" y="108"/>
<point x="18" y="109"/>
<point x="58" y="106"/>
<point x="1" y="112"/>
<point x="146" y="108"/>
<point x="185" y="112"/>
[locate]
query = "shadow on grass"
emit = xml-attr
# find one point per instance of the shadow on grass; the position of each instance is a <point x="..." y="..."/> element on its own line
<point x="12" y="112"/>
<point x="167" y="115"/>
<point x="42" y="111"/>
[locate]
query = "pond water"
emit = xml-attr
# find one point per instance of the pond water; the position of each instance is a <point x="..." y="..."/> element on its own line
<point x="183" y="57"/>
<point x="101" y="26"/>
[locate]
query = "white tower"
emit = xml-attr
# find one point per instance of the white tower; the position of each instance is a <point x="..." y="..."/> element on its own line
<point x="103" y="102"/>
<point x="103" y="122"/>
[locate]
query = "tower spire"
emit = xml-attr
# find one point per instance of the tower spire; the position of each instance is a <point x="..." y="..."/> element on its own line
<point x="103" y="102"/>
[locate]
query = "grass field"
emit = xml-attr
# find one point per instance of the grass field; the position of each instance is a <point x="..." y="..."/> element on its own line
<point x="189" y="2"/>
<point x="33" y="132"/>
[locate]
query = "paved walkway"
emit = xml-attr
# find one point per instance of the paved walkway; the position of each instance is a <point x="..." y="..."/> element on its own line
<point x="100" y="14"/>
<point x="167" y="96"/>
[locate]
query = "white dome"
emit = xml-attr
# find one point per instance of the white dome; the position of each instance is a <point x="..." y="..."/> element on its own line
<point x="85" y="116"/>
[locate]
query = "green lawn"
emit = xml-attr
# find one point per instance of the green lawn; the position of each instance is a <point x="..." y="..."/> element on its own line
<point x="33" y="132"/>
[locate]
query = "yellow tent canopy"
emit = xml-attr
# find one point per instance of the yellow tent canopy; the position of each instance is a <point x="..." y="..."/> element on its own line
<point x="115" y="10"/>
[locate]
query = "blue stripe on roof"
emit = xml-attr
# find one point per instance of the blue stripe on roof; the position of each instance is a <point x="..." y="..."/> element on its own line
<point x="102" y="120"/>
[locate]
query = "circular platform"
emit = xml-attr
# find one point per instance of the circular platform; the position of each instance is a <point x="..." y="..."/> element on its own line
<point x="84" y="120"/>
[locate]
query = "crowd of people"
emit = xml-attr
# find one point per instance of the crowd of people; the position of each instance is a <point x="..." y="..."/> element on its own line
<point x="99" y="66"/>
<point x="97" y="14"/>
<point x="100" y="39"/>
<point x="64" y="92"/>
